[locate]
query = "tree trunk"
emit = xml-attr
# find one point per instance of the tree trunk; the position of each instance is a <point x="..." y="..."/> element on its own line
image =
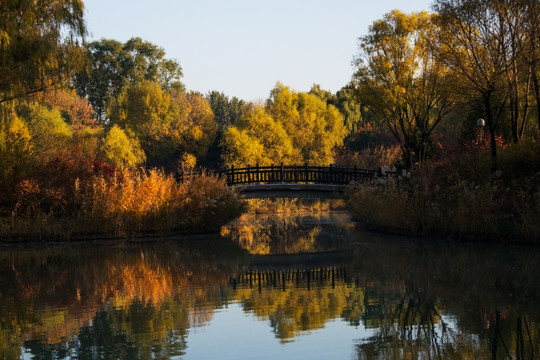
<point x="491" y="128"/>
<point x="537" y="95"/>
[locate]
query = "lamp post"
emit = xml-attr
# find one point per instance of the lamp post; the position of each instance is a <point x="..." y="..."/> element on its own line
<point x="480" y="125"/>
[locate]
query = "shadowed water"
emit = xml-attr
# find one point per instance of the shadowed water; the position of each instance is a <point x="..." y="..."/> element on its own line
<point x="313" y="287"/>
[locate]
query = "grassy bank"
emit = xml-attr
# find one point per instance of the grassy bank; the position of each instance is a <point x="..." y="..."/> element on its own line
<point x="460" y="197"/>
<point x="118" y="205"/>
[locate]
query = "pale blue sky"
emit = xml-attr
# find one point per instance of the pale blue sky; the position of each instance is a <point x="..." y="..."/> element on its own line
<point x="243" y="47"/>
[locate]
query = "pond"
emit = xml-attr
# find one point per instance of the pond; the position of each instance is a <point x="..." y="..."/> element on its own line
<point x="271" y="286"/>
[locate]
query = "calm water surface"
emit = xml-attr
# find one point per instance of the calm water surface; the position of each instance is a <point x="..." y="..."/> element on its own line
<point x="271" y="287"/>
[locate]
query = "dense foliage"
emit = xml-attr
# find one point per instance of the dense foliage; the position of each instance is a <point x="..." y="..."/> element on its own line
<point x="293" y="127"/>
<point x="72" y="113"/>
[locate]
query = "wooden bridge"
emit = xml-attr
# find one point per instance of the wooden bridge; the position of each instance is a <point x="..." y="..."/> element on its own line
<point x="299" y="178"/>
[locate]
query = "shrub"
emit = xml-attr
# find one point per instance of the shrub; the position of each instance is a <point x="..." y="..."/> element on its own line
<point x="154" y="202"/>
<point x="460" y="197"/>
<point x="122" y="204"/>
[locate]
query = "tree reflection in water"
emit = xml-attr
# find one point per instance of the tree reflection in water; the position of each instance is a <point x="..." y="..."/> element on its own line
<point x="418" y="300"/>
<point x="264" y="234"/>
<point x="452" y="302"/>
<point x="121" y="302"/>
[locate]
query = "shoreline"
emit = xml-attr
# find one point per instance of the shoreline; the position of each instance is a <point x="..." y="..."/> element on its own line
<point x="37" y="240"/>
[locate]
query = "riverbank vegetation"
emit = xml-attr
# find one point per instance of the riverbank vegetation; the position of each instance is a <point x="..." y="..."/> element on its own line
<point x="459" y="197"/>
<point x="451" y="97"/>
<point x="121" y="205"/>
<point x="458" y="90"/>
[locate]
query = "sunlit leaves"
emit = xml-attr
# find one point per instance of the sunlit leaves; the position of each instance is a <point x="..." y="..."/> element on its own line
<point x="39" y="42"/>
<point x="121" y="151"/>
<point x="399" y="78"/>
<point x="292" y="128"/>
<point x="114" y="65"/>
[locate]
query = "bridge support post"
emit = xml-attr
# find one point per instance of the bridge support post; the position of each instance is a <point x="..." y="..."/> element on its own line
<point x="282" y="174"/>
<point x="232" y="182"/>
<point x="306" y="173"/>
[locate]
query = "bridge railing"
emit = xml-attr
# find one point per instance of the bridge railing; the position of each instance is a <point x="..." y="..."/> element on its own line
<point x="294" y="174"/>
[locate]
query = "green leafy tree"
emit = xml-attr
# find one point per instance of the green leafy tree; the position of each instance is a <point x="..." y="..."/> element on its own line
<point x="39" y="44"/>
<point x="167" y="124"/>
<point x="114" y="65"/>
<point x="51" y="135"/>
<point x="346" y="102"/>
<point x="227" y="111"/>
<point x="351" y="108"/>
<point x="400" y="80"/>
<point x="145" y="110"/>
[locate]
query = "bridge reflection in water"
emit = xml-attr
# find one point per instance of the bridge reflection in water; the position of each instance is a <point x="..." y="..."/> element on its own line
<point x="400" y="298"/>
<point x="294" y="278"/>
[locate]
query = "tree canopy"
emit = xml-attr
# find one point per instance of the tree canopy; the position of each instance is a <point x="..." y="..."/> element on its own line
<point x="293" y="127"/>
<point x="400" y="79"/>
<point x="39" y="44"/>
<point x="491" y="47"/>
<point x="113" y="65"/>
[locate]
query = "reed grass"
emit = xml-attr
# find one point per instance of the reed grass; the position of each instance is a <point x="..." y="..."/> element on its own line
<point x="124" y="205"/>
<point x="460" y="198"/>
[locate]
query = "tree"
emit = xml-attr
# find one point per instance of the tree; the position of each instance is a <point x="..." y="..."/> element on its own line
<point x="293" y="128"/>
<point x="193" y="129"/>
<point x="315" y="128"/>
<point x="345" y="101"/>
<point x="471" y="44"/>
<point x="121" y="151"/>
<point x="75" y="110"/>
<point x="167" y="124"/>
<point x="240" y="149"/>
<point x="145" y="111"/>
<point x="400" y="80"/>
<point x="39" y="44"/>
<point x="227" y="111"/>
<point x="271" y="134"/>
<point x="113" y="65"/>
<point x="51" y="135"/>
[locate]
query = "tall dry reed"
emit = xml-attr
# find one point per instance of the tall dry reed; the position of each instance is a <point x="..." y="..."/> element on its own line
<point x="125" y="205"/>
<point x="461" y="197"/>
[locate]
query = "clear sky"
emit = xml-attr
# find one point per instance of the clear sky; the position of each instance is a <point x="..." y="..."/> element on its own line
<point x="243" y="47"/>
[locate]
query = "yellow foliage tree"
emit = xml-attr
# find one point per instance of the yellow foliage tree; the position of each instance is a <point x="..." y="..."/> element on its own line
<point x="401" y="81"/>
<point x="292" y="128"/>
<point x="50" y="133"/>
<point x="241" y="149"/>
<point x="122" y="151"/>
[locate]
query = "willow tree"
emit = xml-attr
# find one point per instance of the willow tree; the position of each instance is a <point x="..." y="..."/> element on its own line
<point x="39" y="44"/>
<point x="401" y="81"/>
<point x="492" y="45"/>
